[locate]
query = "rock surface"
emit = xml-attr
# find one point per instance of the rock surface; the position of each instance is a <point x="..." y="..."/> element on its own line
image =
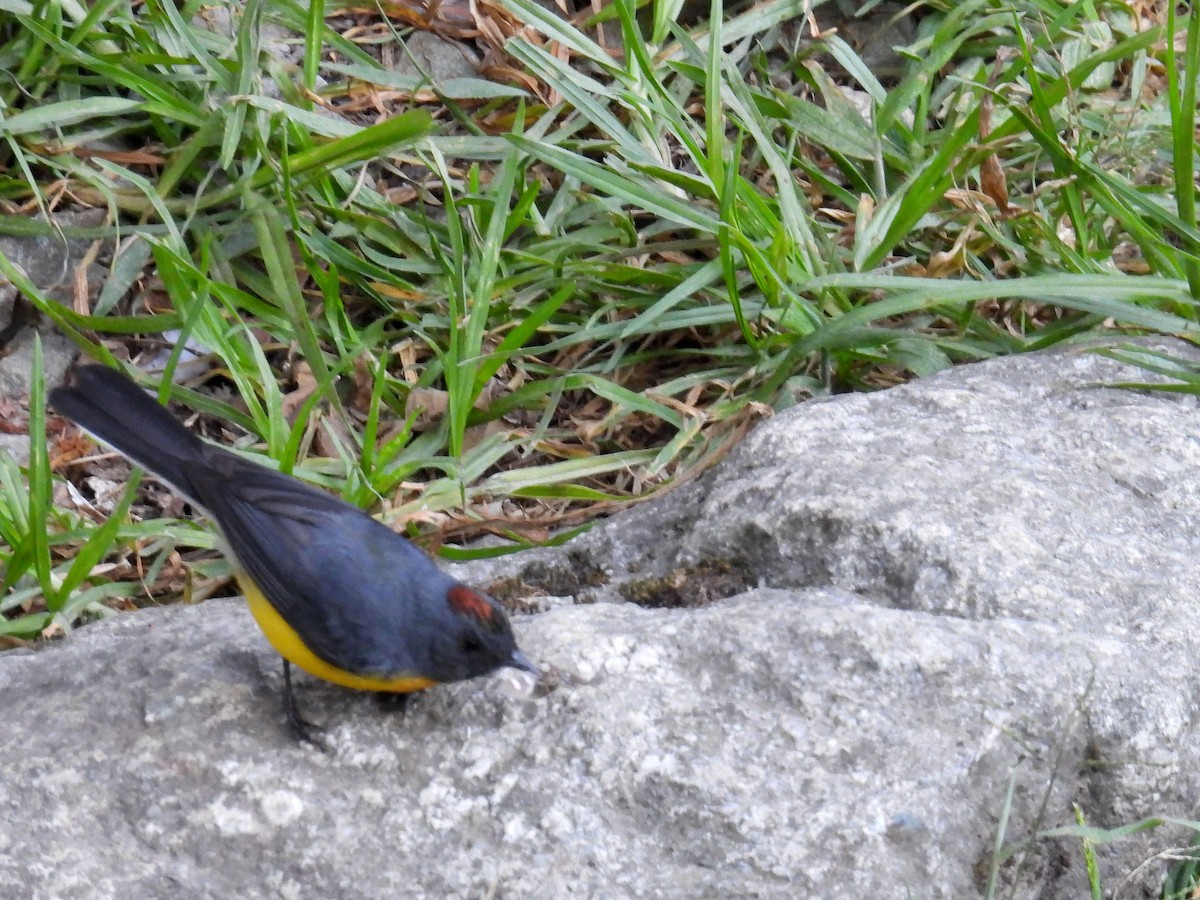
<point x="880" y="615"/>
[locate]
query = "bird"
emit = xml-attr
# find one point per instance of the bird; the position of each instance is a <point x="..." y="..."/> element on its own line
<point x="336" y="593"/>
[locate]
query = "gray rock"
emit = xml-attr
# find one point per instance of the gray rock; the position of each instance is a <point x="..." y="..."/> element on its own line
<point x="886" y="611"/>
<point x="876" y="36"/>
<point x="426" y="55"/>
<point x="1016" y="492"/>
<point x="16" y="370"/>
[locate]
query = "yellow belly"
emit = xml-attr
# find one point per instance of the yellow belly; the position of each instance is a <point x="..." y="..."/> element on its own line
<point x="289" y="645"/>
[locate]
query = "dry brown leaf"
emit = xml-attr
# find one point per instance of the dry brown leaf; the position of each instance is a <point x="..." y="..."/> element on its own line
<point x="993" y="182"/>
<point x="395" y="293"/>
<point x="943" y="263"/>
<point x="688" y="410"/>
<point x="122" y="157"/>
<point x="963" y="198"/>
<point x="14" y="417"/>
<point x="332" y="437"/>
<point x="306" y="386"/>
<point x="842" y="216"/>
<point x="865" y="211"/>
<point x="364" y="387"/>
<point x="426" y="407"/>
<point x="452" y="19"/>
<point x="477" y="434"/>
<point x="563" y="450"/>
<point x="68" y="445"/>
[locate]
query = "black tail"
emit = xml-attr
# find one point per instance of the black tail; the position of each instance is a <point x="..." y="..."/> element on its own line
<point x="111" y="407"/>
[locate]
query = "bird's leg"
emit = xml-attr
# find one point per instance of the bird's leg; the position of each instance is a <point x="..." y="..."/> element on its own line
<point x="303" y="729"/>
<point x="392" y="701"/>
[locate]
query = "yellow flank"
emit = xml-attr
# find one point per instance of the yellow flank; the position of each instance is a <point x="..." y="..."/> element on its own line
<point x="289" y="645"/>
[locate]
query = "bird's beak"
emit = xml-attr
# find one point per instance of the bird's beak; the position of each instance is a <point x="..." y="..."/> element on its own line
<point x="520" y="661"/>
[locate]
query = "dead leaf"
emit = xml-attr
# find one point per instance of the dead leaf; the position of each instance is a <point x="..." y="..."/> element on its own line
<point x="306" y="386"/>
<point x="477" y="434"/>
<point x="332" y="437"/>
<point x="426" y="407"/>
<point x="993" y="183"/>
<point x="364" y="387"/>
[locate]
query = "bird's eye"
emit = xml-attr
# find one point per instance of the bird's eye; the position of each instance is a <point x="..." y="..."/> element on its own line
<point x="472" y="644"/>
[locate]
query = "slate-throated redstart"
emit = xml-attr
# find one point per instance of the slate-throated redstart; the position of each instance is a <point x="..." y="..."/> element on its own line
<point x="335" y="592"/>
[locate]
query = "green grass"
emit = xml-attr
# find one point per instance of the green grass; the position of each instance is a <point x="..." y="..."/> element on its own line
<point x="1183" y="878"/>
<point x="599" y="274"/>
<point x="605" y="293"/>
<point x="594" y="276"/>
<point x="1180" y="880"/>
